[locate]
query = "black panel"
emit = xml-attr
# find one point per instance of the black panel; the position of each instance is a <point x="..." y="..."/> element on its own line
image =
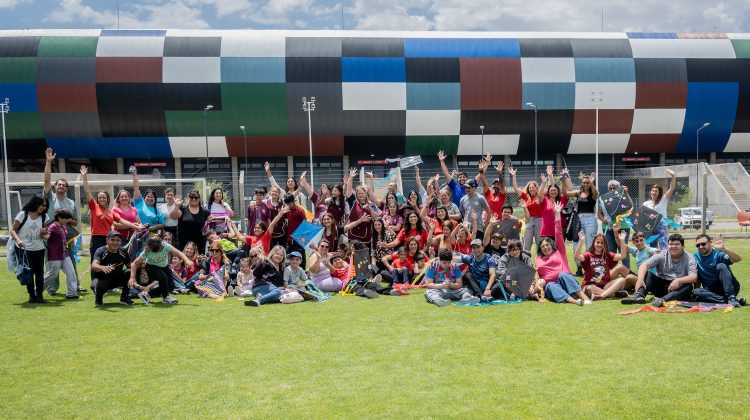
<point x="660" y="70"/>
<point x="601" y="48"/>
<point x="372" y="47"/>
<point x="374" y="145"/>
<point x="21" y="46"/>
<point x="191" y="96"/>
<point x="70" y="124"/>
<point x="133" y="123"/>
<point x="26" y="148"/>
<point x="328" y="117"/>
<point x="718" y="69"/>
<point x="126" y="96"/>
<point x="313" y="70"/>
<point x="433" y="70"/>
<point x="192" y="46"/>
<point x="546" y="48"/>
<point x="742" y="118"/>
<point x="66" y="70"/>
<point x="557" y="121"/>
<point x="380" y="123"/>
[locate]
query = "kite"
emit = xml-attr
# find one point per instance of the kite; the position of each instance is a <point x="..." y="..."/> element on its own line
<point x="645" y="220"/>
<point x="507" y="229"/>
<point x="406" y="162"/>
<point x="212" y="287"/>
<point x="307" y="234"/>
<point x="616" y="205"/>
<point x="520" y="277"/>
<point x="669" y="308"/>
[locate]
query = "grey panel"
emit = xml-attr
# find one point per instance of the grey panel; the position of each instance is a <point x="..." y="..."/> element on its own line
<point x="374" y="123"/>
<point x="21" y="46"/>
<point x="372" y="47"/>
<point x="542" y="47"/>
<point x="328" y="117"/>
<point x="660" y="70"/>
<point x="313" y="47"/>
<point x="192" y="47"/>
<point x="66" y="70"/>
<point x="601" y="48"/>
<point x="70" y="124"/>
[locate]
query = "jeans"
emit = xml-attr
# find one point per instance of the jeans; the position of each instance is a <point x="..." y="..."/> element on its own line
<point x="400" y="275"/>
<point x="269" y="292"/>
<point x="720" y="291"/>
<point x="589" y="226"/>
<point x="659" y="287"/>
<point x="533" y="232"/>
<point x="564" y="288"/>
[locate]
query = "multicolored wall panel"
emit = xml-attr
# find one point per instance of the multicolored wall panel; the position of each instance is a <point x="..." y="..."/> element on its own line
<point x="135" y="93"/>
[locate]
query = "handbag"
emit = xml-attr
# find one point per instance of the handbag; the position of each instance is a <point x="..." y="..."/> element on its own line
<point x="23" y="271"/>
<point x="574" y="223"/>
<point x="291" y="296"/>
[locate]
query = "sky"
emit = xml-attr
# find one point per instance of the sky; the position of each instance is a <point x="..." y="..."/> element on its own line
<point x="417" y="15"/>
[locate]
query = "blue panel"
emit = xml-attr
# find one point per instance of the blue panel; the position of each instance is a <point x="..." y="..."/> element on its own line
<point x="715" y="103"/>
<point x="133" y="32"/>
<point x="253" y="69"/>
<point x="549" y="95"/>
<point x="433" y="96"/>
<point x="605" y="70"/>
<point x="22" y="96"/>
<point x="652" y="35"/>
<point x="372" y="69"/>
<point x="111" y="147"/>
<point x="460" y="47"/>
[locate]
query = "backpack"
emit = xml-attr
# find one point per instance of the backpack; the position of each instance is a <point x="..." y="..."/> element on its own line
<point x="574" y="223"/>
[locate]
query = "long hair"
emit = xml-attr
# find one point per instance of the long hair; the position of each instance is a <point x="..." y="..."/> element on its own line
<point x="661" y="192"/>
<point x="378" y="236"/>
<point x="224" y="258"/>
<point x="592" y="190"/>
<point x="211" y="198"/>
<point x="605" y="250"/>
<point x="274" y="250"/>
<point x="150" y="191"/>
<point x="407" y="225"/>
<point x="559" y="194"/>
<point x="408" y="243"/>
<point x="33" y="204"/>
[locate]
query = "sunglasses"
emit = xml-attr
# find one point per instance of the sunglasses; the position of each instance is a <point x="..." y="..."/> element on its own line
<point x="701" y="244"/>
<point x="193" y="198"/>
<point x="216" y="250"/>
<point x="323" y="246"/>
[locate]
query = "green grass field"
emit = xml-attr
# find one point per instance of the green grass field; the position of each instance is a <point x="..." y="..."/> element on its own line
<point x="350" y="357"/>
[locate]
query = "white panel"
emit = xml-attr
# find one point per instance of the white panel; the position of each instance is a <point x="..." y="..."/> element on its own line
<point x="433" y="122"/>
<point x="618" y="95"/>
<point x="191" y="70"/>
<point x="743" y="35"/>
<point x="373" y="96"/>
<point x="253" y="46"/>
<point x="546" y="70"/>
<point x="682" y="48"/>
<point x="738" y="142"/>
<point x="658" y="121"/>
<point x="496" y="144"/>
<point x="608" y="143"/>
<point x="196" y="147"/>
<point x="130" y="46"/>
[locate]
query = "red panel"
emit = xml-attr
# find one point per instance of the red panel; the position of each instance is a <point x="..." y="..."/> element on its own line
<point x="652" y="143"/>
<point x="128" y="70"/>
<point x="258" y="146"/>
<point x="490" y="83"/>
<point x="610" y="121"/>
<point x="661" y="95"/>
<point x="66" y="97"/>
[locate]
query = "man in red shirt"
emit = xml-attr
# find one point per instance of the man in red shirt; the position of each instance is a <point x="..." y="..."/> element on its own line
<point x="496" y="195"/>
<point x="295" y="215"/>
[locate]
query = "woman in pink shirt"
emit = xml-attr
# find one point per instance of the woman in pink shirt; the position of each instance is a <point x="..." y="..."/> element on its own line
<point x="552" y="266"/>
<point x="552" y="197"/>
<point x="126" y="212"/>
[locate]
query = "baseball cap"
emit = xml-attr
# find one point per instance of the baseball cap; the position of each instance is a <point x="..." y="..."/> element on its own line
<point x="496" y="180"/>
<point x="113" y="233"/>
<point x="294" y="254"/>
<point x="472" y="183"/>
<point x="476" y="242"/>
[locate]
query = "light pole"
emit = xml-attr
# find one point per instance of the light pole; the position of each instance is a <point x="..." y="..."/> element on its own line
<point x="4" y="109"/>
<point x="481" y="127"/>
<point x="309" y="107"/>
<point x="244" y="143"/>
<point x="536" y="151"/>
<point x="205" y="132"/>
<point x="596" y="98"/>
<point x="697" y="163"/>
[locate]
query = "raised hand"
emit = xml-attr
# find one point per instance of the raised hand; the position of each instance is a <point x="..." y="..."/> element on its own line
<point x="483" y="166"/>
<point x="352" y="172"/>
<point x="558" y="207"/>
<point x="581" y="237"/>
<point x="564" y="171"/>
<point x="623" y="235"/>
<point x="488" y="158"/>
<point x="267" y="167"/>
<point x="49" y="154"/>
<point x="670" y="172"/>
<point x="512" y="171"/>
<point x="301" y="177"/>
<point x="84" y="170"/>
<point x="441" y="155"/>
<point x="499" y="166"/>
<point x="543" y="177"/>
<point x="178" y="201"/>
<point x="719" y="242"/>
<point x="550" y="170"/>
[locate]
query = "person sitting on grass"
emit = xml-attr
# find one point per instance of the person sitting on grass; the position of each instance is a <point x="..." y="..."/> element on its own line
<point x="57" y="255"/>
<point x="482" y="270"/>
<point x="444" y="282"/>
<point x="217" y="264"/>
<point x="676" y="273"/>
<point x="642" y="253"/>
<point x="602" y="276"/>
<point x="155" y="256"/>
<point x="714" y="274"/>
<point x="293" y="273"/>
<point x="110" y="269"/>
<point x="515" y="251"/>
<point x="552" y="266"/>
<point x="245" y="275"/>
<point x="179" y="276"/>
<point x="321" y="269"/>
<point x="401" y="267"/>
<point x="268" y="273"/>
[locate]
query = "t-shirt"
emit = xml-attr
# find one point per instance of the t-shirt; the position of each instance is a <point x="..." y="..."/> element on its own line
<point x="119" y="259"/>
<point x="534" y="206"/>
<point x="165" y="210"/>
<point x="707" y="273"/>
<point x="669" y="269"/>
<point x="159" y="258"/>
<point x="101" y="219"/>
<point x="219" y="212"/>
<point x="422" y="236"/>
<point x="660" y="208"/>
<point x="131" y="215"/>
<point x="409" y="258"/>
<point x="642" y="256"/>
<point x="406" y="263"/>
<point x="480" y="268"/>
<point x="495" y="252"/>
<point x="56" y="249"/>
<point x="496" y="202"/>
<point x="264" y="241"/>
<point x="292" y="277"/>
<point x="474" y="204"/>
<point x="457" y="190"/>
<point x="438" y="275"/>
<point x="65" y="203"/>
<point x="149" y="215"/>
<point x="295" y="216"/>
<point x="597" y="268"/>
<point x="190" y="227"/>
<point x="452" y="209"/>
<point x="266" y="273"/>
<point x="341" y="273"/>
<point x="29" y="232"/>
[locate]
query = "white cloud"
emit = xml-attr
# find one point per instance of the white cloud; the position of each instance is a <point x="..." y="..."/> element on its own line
<point x="9" y="4"/>
<point x="391" y="15"/>
<point x="173" y="14"/>
<point x="285" y="13"/>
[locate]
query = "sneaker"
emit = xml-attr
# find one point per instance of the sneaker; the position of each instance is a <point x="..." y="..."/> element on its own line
<point x="621" y="294"/>
<point x="370" y="294"/>
<point x="587" y="302"/>
<point x="51" y="293"/>
<point x="636" y="298"/>
<point x="657" y="302"/>
<point x="98" y="304"/>
<point x="252" y="303"/>
<point x="76" y="297"/>
<point x="579" y="302"/>
<point x="82" y="290"/>
<point x="377" y="279"/>
<point x="596" y="297"/>
<point x="732" y="300"/>
<point x="230" y="291"/>
<point x="442" y="303"/>
<point x="169" y="300"/>
<point x="579" y="272"/>
<point x="394" y="292"/>
<point x="126" y="302"/>
<point x="145" y="297"/>
<point x="470" y="300"/>
<point x="742" y="300"/>
<point x="246" y="294"/>
<point x="486" y="299"/>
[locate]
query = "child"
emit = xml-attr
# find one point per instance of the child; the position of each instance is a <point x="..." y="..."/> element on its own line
<point x="400" y="267"/>
<point x="245" y="277"/>
<point x="229" y="246"/>
<point x="57" y="256"/>
<point x="179" y="276"/>
<point x="642" y="253"/>
<point x="141" y="283"/>
<point x="294" y="273"/>
<point x="168" y="238"/>
<point x="340" y="269"/>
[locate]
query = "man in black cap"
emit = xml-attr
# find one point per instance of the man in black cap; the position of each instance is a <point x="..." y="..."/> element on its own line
<point x="109" y="269"/>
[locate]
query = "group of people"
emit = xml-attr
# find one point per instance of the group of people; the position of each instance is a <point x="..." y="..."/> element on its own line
<point x="444" y="236"/>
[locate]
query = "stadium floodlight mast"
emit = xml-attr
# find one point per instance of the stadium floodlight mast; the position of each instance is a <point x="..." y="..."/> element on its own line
<point x="697" y="162"/>
<point x="536" y="150"/>
<point x="244" y="143"/>
<point x="596" y="98"/>
<point x="481" y="127"/>
<point x="309" y="107"/>
<point x="205" y="133"/>
<point x="4" y="109"/>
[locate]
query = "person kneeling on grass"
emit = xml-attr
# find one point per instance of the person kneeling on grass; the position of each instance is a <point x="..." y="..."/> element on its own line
<point x="109" y="269"/>
<point x="156" y="257"/>
<point x="600" y="267"/>
<point x="269" y="276"/>
<point x="552" y="266"/>
<point x="676" y="273"/>
<point x="444" y="283"/>
<point x="719" y="284"/>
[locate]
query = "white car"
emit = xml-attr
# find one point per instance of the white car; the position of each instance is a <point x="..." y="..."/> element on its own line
<point x="690" y="217"/>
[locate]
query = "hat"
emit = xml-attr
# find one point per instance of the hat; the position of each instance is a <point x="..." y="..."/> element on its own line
<point x="472" y="183"/>
<point x="404" y="208"/>
<point x="294" y="254"/>
<point x="113" y="233"/>
<point x="476" y="242"/>
<point x="496" y="180"/>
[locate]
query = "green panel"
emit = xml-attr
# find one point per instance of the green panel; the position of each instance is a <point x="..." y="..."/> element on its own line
<point x="429" y="145"/>
<point x="67" y="46"/>
<point x="17" y="70"/>
<point x="741" y="48"/>
<point x="184" y="123"/>
<point x="261" y="107"/>
<point x="23" y="125"/>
